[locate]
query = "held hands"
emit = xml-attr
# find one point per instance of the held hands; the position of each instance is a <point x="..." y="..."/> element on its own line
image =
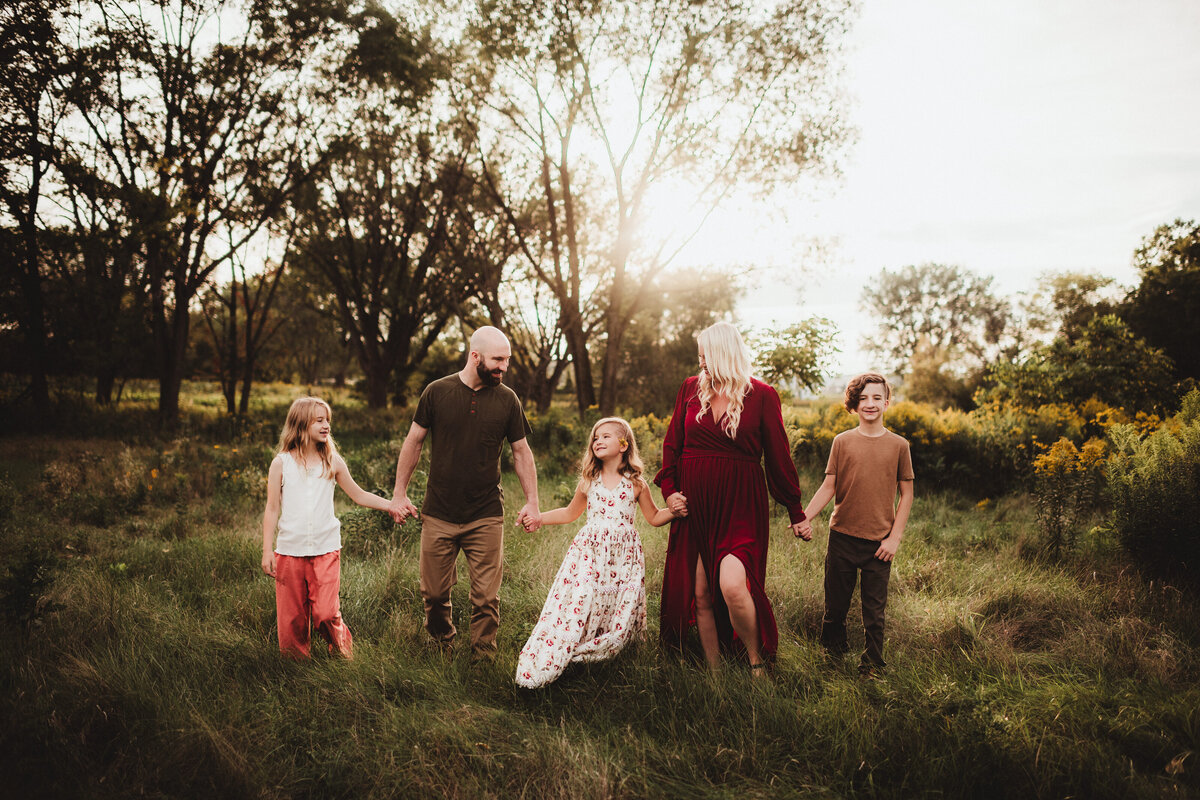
<point x="529" y="518"/>
<point x="402" y="508"/>
<point x="802" y="529"/>
<point x="677" y="504"/>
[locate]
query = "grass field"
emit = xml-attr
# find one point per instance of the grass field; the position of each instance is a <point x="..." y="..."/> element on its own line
<point x="139" y="652"/>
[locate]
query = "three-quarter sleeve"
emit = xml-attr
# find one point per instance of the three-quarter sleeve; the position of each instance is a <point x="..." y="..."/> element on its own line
<point x="667" y="478"/>
<point x="782" y="480"/>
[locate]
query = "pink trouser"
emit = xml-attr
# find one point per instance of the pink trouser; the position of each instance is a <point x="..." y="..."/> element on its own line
<point x="307" y="587"/>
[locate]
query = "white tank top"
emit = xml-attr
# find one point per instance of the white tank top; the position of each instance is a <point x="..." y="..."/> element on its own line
<point x="307" y="526"/>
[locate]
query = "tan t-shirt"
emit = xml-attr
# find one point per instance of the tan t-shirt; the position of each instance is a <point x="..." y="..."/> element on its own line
<point x="868" y="470"/>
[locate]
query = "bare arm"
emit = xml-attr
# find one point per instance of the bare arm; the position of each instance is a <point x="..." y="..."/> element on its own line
<point x="821" y="497"/>
<point x="654" y="515"/>
<point x="889" y="546"/>
<point x="362" y="497"/>
<point x="410" y="453"/>
<point x="569" y="512"/>
<point x="271" y="516"/>
<point x="528" y="517"/>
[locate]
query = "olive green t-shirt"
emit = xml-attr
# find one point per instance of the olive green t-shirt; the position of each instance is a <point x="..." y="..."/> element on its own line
<point x="868" y="471"/>
<point x="466" y="430"/>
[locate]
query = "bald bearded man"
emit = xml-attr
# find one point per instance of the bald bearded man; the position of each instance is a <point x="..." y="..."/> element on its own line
<point x="467" y="417"/>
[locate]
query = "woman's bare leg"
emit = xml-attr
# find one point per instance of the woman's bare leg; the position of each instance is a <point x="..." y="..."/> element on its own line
<point x="706" y="623"/>
<point x="742" y="613"/>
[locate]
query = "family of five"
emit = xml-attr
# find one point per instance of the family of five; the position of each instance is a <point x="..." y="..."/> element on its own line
<point x="724" y="452"/>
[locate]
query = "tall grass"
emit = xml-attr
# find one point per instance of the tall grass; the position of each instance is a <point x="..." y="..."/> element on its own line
<point x="148" y="664"/>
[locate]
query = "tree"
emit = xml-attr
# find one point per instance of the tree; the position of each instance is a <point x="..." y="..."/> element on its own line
<point x="377" y="232"/>
<point x="98" y="262"/>
<point x="623" y="107"/>
<point x="797" y="355"/>
<point x="933" y="379"/>
<point x="1072" y="300"/>
<point x="936" y="306"/>
<point x="310" y="346"/>
<point x="30" y="63"/>
<point x="511" y="298"/>
<point x="238" y="316"/>
<point x="1106" y="361"/>
<point x="1164" y="308"/>
<point x="660" y="349"/>
<point x="201" y="135"/>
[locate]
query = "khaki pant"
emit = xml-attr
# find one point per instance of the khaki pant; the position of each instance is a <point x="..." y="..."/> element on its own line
<point x="482" y="542"/>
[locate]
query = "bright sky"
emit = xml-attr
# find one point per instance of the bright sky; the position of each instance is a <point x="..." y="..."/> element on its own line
<point x="1012" y="139"/>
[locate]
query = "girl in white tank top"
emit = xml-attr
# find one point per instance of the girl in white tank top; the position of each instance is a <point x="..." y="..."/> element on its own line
<point x="306" y="557"/>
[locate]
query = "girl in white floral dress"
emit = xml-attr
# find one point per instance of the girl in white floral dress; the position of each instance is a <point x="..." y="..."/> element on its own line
<point x="597" y="603"/>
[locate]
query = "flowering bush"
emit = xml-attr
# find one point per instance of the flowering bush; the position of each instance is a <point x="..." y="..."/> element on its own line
<point x="1066" y="485"/>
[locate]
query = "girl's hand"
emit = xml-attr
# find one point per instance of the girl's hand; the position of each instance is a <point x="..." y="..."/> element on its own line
<point x="677" y="502"/>
<point x="529" y="518"/>
<point x="401" y="508"/>
<point x="268" y="563"/>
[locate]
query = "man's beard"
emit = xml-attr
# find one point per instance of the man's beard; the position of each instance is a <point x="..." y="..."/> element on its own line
<point x="487" y="376"/>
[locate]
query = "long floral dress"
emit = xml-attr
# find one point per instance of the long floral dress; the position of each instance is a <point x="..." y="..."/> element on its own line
<point x="597" y="603"/>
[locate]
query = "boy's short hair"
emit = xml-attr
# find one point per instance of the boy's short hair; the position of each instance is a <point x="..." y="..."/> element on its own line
<point x="854" y="389"/>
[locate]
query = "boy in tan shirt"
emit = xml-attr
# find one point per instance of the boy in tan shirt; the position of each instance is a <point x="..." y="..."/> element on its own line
<point x="867" y="466"/>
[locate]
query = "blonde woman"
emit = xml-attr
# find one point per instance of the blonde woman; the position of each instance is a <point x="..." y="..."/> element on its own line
<point x="725" y="422"/>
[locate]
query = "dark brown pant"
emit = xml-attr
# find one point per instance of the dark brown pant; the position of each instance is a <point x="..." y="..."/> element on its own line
<point x="846" y="557"/>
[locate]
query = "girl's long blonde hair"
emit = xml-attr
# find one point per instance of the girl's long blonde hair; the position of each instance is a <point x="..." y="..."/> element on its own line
<point x="295" y="431"/>
<point x="726" y="372"/>
<point x="631" y="462"/>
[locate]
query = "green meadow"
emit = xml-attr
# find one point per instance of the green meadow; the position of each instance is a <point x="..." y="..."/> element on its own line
<point x="139" y="654"/>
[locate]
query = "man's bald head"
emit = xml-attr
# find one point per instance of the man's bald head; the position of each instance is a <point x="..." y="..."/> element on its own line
<point x="489" y="341"/>
<point x="488" y="359"/>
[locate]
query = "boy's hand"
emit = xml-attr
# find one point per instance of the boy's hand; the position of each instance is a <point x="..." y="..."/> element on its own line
<point x="887" y="549"/>
<point x="802" y="529"/>
<point x="268" y="563"/>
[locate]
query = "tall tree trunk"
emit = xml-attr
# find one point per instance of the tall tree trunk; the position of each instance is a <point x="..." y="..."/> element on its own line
<point x="106" y="380"/>
<point x="247" y="382"/>
<point x="31" y="282"/>
<point x="173" y="355"/>
<point x="376" y="376"/>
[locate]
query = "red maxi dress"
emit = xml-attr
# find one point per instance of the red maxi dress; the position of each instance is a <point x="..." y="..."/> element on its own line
<point x="722" y="479"/>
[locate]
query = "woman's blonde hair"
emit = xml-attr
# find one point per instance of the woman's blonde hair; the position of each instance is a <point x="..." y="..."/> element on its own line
<point x="295" y="430"/>
<point x="726" y="372"/>
<point x="631" y="462"/>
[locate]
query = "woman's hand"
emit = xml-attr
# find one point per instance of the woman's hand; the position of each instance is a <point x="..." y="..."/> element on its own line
<point x="677" y="502"/>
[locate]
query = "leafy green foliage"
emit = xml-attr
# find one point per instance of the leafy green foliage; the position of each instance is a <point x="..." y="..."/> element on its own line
<point x="938" y="305"/>
<point x="1164" y="308"/>
<point x="797" y="355"/>
<point x="1154" y="484"/>
<point x="1106" y="361"/>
